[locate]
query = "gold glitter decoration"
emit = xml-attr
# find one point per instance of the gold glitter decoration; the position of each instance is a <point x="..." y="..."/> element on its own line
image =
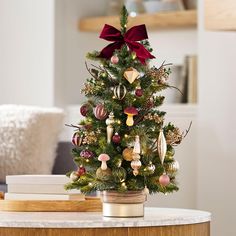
<point x="89" y="137"/>
<point x="158" y="119"/>
<point x="88" y="89"/>
<point x="160" y="75"/>
<point x="174" y="136"/>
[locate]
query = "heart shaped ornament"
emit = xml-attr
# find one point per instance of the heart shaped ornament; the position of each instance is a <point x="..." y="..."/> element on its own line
<point x="131" y="74"/>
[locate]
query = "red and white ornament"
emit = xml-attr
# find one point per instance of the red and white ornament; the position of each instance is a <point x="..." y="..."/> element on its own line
<point x="84" y="110"/>
<point x="77" y="139"/>
<point x="116" y="138"/>
<point x="100" y="112"/>
<point x="114" y="59"/>
<point x="81" y="171"/>
<point x="164" y="180"/>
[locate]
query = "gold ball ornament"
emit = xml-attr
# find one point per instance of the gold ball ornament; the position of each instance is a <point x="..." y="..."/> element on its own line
<point x="103" y="175"/>
<point x="74" y="176"/>
<point x="119" y="174"/>
<point x="131" y="74"/>
<point x="128" y="154"/>
<point x="172" y="168"/>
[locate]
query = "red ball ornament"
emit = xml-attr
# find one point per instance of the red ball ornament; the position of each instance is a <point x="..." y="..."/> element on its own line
<point x="84" y="110"/>
<point x="77" y="139"/>
<point x="114" y="59"/>
<point x="139" y="92"/>
<point x="81" y="171"/>
<point x="100" y="112"/>
<point x="164" y="180"/>
<point x="116" y="138"/>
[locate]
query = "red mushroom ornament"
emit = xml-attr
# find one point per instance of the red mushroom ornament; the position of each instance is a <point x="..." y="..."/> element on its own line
<point x="103" y="158"/>
<point x="130" y="112"/>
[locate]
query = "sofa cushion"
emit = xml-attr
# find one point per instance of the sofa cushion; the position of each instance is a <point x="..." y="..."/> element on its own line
<point x="28" y="139"/>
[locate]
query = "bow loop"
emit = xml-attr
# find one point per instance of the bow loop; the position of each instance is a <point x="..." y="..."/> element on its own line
<point x="136" y="33"/>
<point x="130" y="38"/>
<point x="110" y="33"/>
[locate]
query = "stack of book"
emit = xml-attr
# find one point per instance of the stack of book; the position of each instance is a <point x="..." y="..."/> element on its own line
<point x="40" y="187"/>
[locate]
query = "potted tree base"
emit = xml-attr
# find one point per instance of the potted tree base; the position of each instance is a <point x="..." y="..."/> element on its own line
<point x="128" y="204"/>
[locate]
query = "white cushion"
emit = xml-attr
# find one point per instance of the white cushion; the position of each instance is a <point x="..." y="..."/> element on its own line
<point x="28" y="139"/>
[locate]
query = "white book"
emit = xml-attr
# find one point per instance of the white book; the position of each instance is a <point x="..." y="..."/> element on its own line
<point x="22" y="196"/>
<point x="40" y="188"/>
<point x="37" y="179"/>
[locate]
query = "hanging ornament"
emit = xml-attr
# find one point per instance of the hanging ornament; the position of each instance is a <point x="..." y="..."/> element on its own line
<point x="139" y="92"/>
<point x="84" y="110"/>
<point x="164" y="180"/>
<point x="114" y="59"/>
<point x="100" y="112"/>
<point x="81" y="171"/>
<point x="87" y="154"/>
<point x="136" y="156"/>
<point x="151" y="168"/>
<point x="74" y="176"/>
<point x="116" y="138"/>
<point x="103" y="175"/>
<point x="137" y="148"/>
<point x="131" y="74"/>
<point x="150" y="103"/>
<point x="128" y="154"/>
<point x="136" y="164"/>
<point x="77" y="139"/>
<point x="146" y="190"/>
<point x="119" y="174"/>
<point x="103" y="158"/>
<point x="172" y="168"/>
<point x="130" y="112"/>
<point x="161" y="146"/>
<point x="119" y="91"/>
<point x="109" y="122"/>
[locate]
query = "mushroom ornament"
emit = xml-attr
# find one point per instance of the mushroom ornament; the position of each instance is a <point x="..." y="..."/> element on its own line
<point x="130" y="112"/>
<point x="103" y="158"/>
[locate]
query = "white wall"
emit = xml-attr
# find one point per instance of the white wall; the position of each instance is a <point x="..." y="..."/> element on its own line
<point x="217" y="131"/>
<point x="27" y="52"/>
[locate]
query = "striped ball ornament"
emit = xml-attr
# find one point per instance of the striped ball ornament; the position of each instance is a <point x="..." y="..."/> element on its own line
<point x="77" y="139"/>
<point x="120" y="91"/>
<point x="100" y="112"/>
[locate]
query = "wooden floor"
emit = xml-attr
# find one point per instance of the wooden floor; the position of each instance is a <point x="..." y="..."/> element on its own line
<point x="202" y="229"/>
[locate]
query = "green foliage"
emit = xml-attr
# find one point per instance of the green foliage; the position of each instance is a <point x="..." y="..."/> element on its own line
<point x="99" y="88"/>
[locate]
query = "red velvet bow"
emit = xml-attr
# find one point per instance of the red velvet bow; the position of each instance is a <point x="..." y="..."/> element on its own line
<point x="136" y="33"/>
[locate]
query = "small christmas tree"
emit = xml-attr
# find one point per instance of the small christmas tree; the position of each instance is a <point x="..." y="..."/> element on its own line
<point x="123" y="143"/>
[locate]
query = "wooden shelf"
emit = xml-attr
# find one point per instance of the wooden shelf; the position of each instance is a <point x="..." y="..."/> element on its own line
<point x="164" y="20"/>
<point x="220" y="15"/>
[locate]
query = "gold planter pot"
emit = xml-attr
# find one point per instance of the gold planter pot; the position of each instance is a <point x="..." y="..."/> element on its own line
<point x="128" y="204"/>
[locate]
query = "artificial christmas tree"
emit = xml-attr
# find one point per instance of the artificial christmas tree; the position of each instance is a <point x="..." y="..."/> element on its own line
<point x="123" y="147"/>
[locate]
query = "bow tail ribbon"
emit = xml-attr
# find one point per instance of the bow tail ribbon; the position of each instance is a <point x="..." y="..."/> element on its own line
<point x="107" y="52"/>
<point x="141" y="52"/>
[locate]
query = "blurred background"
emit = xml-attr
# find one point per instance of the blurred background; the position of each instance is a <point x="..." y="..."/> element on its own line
<point x="43" y="44"/>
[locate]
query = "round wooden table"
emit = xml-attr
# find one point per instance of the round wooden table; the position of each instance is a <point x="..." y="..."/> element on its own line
<point x="157" y="221"/>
